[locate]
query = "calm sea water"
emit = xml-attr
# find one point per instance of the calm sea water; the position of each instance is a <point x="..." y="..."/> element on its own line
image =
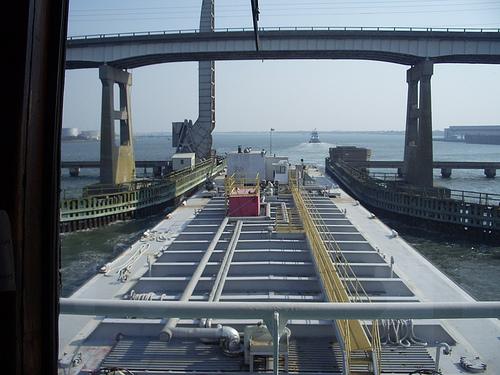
<point x="476" y="267"/>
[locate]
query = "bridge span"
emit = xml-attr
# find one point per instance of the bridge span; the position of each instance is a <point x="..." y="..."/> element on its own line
<point x="401" y="46"/>
<point x="418" y="48"/>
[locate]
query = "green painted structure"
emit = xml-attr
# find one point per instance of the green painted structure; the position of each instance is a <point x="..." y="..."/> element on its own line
<point x="133" y="199"/>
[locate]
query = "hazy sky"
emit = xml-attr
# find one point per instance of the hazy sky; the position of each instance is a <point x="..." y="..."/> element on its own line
<point x="287" y="95"/>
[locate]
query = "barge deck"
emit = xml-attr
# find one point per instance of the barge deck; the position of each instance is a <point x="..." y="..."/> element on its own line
<point x="271" y="262"/>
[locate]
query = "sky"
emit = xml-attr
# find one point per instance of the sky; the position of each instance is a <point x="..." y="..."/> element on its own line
<point x="287" y="95"/>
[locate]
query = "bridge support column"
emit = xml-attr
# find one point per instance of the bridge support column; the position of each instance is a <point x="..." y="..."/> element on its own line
<point x="411" y="138"/>
<point x="418" y="139"/>
<point x="446" y="172"/>
<point x="74" y="172"/>
<point x="490" y="172"/>
<point x="117" y="155"/>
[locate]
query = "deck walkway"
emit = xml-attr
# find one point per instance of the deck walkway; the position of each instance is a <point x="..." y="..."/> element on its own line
<point x="429" y="285"/>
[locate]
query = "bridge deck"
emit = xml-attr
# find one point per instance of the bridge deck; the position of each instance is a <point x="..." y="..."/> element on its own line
<point x="407" y="47"/>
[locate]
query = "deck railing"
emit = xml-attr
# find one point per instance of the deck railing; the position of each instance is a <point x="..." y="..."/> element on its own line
<point x="380" y="179"/>
<point x="339" y="282"/>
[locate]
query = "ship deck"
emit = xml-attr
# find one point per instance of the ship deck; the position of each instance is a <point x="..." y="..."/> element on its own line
<point x="268" y="264"/>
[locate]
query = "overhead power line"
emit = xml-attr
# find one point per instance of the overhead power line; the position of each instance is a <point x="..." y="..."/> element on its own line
<point x="172" y="11"/>
<point x="127" y="17"/>
<point x="287" y="5"/>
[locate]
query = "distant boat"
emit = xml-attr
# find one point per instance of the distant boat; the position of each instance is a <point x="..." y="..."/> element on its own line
<point x="314" y="137"/>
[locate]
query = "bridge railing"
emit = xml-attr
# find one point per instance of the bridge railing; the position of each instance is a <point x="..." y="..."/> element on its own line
<point x="290" y="28"/>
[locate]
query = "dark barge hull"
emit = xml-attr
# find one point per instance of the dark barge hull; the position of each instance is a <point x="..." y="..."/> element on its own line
<point x="489" y="232"/>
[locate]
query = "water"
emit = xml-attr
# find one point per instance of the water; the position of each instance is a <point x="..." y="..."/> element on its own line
<point x="474" y="266"/>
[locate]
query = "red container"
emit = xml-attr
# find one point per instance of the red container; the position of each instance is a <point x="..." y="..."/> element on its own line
<point x="244" y="205"/>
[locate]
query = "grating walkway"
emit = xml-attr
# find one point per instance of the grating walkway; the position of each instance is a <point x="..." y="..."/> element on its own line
<point x="394" y="359"/>
<point x="186" y="355"/>
<point x="305" y="356"/>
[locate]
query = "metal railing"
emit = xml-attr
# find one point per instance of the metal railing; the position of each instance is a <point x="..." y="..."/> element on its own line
<point x="339" y="282"/>
<point x="279" y="313"/>
<point x="233" y="183"/>
<point x="137" y="195"/>
<point x="351" y="283"/>
<point x="381" y="179"/>
<point x="290" y="28"/>
<point x="386" y="176"/>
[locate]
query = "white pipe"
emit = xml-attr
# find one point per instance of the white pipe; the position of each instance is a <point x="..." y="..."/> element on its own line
<point x="229" y="336"/>
<point x="260" y="310"/>
<point x="220" y="280"/>
<point x="188" y="291"/>
<point x="227" y="261"/>
<point x="446" y="351"/>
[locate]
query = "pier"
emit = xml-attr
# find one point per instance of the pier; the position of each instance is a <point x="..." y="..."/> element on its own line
<point x="446" y="167"/>
<point x="134" y="199"/>
<point x="477" y="134"/>
<point x="472" y="212"/>
<point x="159" y="167"/>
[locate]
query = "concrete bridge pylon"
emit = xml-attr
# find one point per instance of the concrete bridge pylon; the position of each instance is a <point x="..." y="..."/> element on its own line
<point x="117" y="155"/>
<point x="418" y="153"/>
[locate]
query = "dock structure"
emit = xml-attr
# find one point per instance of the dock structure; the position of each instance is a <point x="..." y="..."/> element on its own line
<point x="478" y="134"/>
<point x="158" y="167"/>
<point x="446" y="167"/>
<point x="470" y="212"/>
<point x="133" y="199"/>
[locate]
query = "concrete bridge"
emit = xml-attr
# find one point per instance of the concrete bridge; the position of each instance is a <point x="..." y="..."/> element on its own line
<point x="398" y="45"/>
<point x="418" y="48"/>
